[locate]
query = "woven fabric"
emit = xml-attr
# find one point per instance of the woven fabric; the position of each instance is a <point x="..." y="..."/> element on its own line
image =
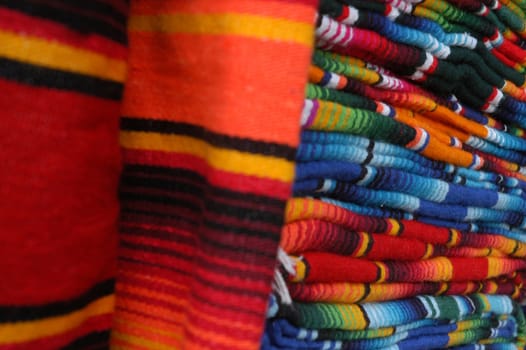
<point x="407" y="226"/>
<point x="208" y="164"/>
<point x="209" y="132"/>
<point x="397" y="191"/>
<point x="62" y="69"/>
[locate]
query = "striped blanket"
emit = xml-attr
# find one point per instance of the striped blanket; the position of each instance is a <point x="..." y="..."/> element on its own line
<point x="274" y="174"/>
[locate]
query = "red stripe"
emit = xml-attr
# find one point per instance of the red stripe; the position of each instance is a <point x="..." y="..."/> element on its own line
<point x="167" y="261"/>
<point x="512" y="51"/>
<point x="492" y="96"/>
<point x="152" y="270"/>
<point x="237" y="267"/>
<point x="344" y="14"/>
<point x="469" y="269"/>
<point x="504" y="59"/>
<point x="433" y="66"/>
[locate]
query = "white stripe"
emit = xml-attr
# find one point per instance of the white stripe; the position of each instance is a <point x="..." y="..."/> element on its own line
<point x="393" y="14"/>
<point x="333" y="81"/>
<point x="498" y="98"/>
<point x="421" y="142"/>
<point x="326" y="187"/>
<point x="305" y="113"/>
<point x="343" y="32"/>
<point x="441" y="190"/>
<point x="428" y="62"/>
<point x="353" y="16"/>
<point x="471" y="42"/>
<point x="417" y="75"/>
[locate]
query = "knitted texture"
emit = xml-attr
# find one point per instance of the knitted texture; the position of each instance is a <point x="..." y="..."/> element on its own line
<point x="209" y="132"/>
<point x="62" y="69"/>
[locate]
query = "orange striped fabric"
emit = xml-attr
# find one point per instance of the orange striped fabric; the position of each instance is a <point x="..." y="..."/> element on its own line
<point x="209" y="132"/>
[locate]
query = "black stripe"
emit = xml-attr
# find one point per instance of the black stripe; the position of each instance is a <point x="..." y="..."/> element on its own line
<point x="366" y="292"/>
<point x="515" y="248"/>
<point x="198" y="188"/>
<point x="98" y="7"/>
<point x="379" y="176"/>
<point x="210" y="241"/>
<point x="28" y="313"/>
<point x="369" y="157"/>
<point x="80" y="23"/>
<point x="213" y="138"/>
<point x="307" y="268"/>
<point x="155" y="171"/>
<point x="243" y="231"/>
<point x="134" y="215"/>
<point x="365" y="316"/>
<point x="56" y="79"/>
<point x="249" y="215"/>
<point x="401" y="229"/>
<point x="91" y="341"/>
<point x="163" y="200"/>
<point x="370" y="244"/>
<point x="363" y="173"/>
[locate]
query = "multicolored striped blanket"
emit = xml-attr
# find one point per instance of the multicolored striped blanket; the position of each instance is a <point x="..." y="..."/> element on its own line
<point x="168" y="167"/>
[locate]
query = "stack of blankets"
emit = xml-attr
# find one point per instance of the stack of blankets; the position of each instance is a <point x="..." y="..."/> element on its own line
<point x="407" y="226"/>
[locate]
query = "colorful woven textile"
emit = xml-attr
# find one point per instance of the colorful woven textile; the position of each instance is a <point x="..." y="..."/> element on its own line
<point x="362" y="167"/>
<point x="209" y="131"/>
<point x="205" y="178"/>
<point x="62" y="69"/>
<point x="407" y="229"/>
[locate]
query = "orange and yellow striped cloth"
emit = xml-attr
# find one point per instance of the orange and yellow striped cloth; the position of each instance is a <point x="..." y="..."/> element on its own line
<point x="209" y="131"/>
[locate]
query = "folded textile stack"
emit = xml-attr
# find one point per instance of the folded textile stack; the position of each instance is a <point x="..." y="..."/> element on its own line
<point x="407" y="229"/>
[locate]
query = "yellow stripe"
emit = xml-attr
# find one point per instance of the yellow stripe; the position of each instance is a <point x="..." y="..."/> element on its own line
<point x="455" y="237"/>
<point x="27" y="331"/>
<point x="364" y="244"/>
<point x="495" y="267"/>
<point x="135" y="340"/>
<point x="382" y="268"/>
<point x="253" y="26"/>
<point x="301" y="270"/>
<point x="395" y="227"/>
<point x="54" y="55"/>
<point x="456" y="338"/>
<point x="429" y="251"/>
<point x="220" y="158"/>
<point x="444" y="286"/>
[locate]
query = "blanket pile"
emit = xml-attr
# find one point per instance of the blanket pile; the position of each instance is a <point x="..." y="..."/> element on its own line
<point x="407" y="226"/>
